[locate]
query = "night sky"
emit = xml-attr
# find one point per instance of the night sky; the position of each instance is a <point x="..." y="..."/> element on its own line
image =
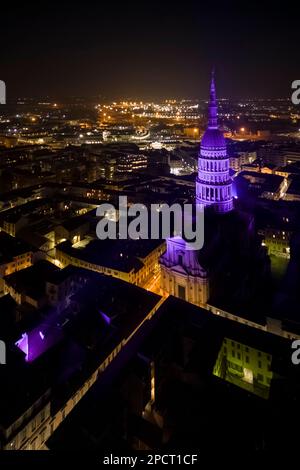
<point x="149" y="50"/>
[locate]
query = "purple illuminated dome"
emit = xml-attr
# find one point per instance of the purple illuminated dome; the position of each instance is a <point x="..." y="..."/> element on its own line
<point x="213" y="184"/>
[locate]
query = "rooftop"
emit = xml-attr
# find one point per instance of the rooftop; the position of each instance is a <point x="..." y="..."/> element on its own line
<point x="32" y="281"/>
<point x="122" y="255"/>
<point x="59" y="344"/>
<point x="180" y="398"/>
<point x="257" y="183"/>
<point x="11" y="247"/>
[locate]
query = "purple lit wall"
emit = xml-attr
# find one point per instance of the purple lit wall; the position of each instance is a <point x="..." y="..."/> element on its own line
<point x="39" y="340"/>
<point x="22" y="344"/>
<point x="213" y="183"/>
<point x="105" y="317"/>
<point x="234" y="190"/>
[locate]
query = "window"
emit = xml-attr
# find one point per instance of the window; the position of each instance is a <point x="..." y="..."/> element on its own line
<point x="23" y="435"/>
<point x="33" y="444"/>
<point x="260" y="377"/>
<point x="43" y="435"/>
<point x="247" y="359"/>
<point x="181" y="292"/>
<point x="259" y="364"/>
<point x="233" y="353"/>
<point x="239" y="356"/>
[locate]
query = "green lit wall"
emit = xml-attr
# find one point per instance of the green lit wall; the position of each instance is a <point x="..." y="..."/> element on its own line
<point x="245" y="367"/>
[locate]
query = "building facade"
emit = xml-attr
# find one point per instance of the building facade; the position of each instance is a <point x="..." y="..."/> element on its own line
<point x="182" y="274"/>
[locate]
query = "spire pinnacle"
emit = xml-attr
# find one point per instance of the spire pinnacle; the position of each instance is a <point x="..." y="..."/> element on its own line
<point x="212" y="108"/>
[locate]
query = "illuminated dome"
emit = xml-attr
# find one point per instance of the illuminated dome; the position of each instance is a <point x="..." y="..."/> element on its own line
<point x="213" y="138"/>
<point x="213" y="184"/>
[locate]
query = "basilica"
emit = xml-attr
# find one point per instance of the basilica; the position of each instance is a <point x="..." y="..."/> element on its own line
<point x="232" y="268"/>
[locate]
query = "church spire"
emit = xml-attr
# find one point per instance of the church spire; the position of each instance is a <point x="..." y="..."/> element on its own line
<point x="212" y="109"/>
<point x="214" y="184"/>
